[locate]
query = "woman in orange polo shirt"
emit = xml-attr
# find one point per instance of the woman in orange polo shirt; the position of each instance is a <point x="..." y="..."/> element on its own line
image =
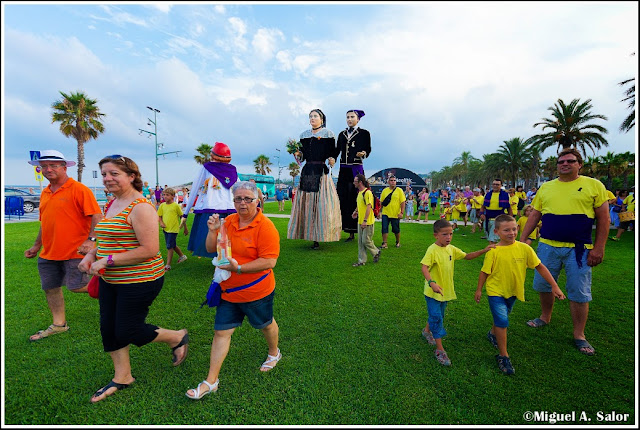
<point x="249" y="291"/>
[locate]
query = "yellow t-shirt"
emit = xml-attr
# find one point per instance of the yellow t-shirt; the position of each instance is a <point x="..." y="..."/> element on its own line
<point x="171" y="215"/>
<point x="580" y="196"/>
<point x="507" y="269"/>
<point x="521" y="195"/>
<point x="460" y="205"/>
<point x="362" y="202"/>
<point x="521" y="223"/>
<point x="393" y="208"/>
<point x="610" y="195"/>
<point x="440" y="261"/>
<point x="513" y="201"/>
<point x="476" y="202"/>
<point x="630" y="201"/>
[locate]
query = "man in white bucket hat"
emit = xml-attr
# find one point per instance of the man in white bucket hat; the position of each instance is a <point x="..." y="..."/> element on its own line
<point x="68" y="214"/>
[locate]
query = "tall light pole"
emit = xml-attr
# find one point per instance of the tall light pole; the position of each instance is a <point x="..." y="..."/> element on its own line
<point x="155" y="134"/>
<point x="278" y="156"/>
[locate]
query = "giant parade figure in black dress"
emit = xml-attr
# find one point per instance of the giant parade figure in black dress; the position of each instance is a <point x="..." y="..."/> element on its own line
<point x="354" y="145"/>
<point x="315" y="212"/>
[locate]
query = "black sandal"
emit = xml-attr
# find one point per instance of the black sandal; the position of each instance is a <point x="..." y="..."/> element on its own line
<point x="183" y="342"/>
<point x="111" y="384"/>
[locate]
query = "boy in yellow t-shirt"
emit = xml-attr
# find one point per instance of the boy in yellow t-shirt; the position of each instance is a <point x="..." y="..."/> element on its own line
<point x="169" y="217"/>
<point x="504" y="271"/>
<point x="522" y="221"/>
<point x="366" y="221"/>
<point x="437" y="268"/>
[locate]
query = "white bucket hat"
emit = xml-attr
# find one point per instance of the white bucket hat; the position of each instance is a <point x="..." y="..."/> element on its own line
<point x="51" y="155"/>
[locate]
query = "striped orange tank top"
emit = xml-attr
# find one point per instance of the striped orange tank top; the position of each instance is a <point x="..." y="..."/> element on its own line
<point x="116" y="235"/>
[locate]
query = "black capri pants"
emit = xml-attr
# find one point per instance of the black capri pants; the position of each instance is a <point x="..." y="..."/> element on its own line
<point x="123" y="310"/>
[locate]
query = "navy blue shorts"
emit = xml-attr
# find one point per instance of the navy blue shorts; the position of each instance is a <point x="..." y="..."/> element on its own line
<point x="395" y="224"/>
<point x="170" y="238"/>
<point x="259" y="312"/>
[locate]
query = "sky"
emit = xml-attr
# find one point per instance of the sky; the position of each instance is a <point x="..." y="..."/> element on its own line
<point x="435" y="79"/>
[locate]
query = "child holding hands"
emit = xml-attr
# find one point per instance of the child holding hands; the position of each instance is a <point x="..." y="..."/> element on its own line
<point x="503" y="272"/>
<point x="437" y="268"/>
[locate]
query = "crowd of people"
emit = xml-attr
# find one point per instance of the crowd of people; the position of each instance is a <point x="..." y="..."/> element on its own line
<point x="119" y="245"/>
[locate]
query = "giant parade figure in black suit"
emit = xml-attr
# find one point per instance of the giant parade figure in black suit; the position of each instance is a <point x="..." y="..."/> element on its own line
<point x="354" y="145"/>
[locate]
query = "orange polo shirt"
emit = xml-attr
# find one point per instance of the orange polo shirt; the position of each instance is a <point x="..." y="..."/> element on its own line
<point x="65" y="219"/>
<point x="260" y="239"/>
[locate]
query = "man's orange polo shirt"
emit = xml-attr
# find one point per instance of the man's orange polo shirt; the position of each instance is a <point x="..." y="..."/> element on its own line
<point x="65" y="218"/>
<point x="260" y="239"/>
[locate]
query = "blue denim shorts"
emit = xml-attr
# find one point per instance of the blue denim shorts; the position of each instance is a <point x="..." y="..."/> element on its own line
<point x="436" y="317"/>
<point x="500" y="309"/>
<point x="170" y="239"/>
<point x="395" y="224"/>
<point x="578" y="278"/>
<point x="492" y="236"/>
<point x="259" y="312"/>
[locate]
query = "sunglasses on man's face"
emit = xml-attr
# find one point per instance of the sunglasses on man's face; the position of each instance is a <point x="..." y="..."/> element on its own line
<point x="567" y="161"/>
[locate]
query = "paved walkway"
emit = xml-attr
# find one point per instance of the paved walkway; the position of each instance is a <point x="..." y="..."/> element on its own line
<point x="277" y="215"/>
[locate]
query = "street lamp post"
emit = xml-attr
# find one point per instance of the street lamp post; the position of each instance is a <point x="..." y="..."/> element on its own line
<point x="279" y="170"/>
<point x="155" y="134"/>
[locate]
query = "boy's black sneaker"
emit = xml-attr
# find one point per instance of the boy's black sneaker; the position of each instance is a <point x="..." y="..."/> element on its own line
<point x="504" y="364"/>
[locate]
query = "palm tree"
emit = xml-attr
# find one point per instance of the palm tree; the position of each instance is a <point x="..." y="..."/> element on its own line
<point x="79" y="116"/>
<point x="630" y="93"/>
<point x="261" y="164"/>
<point x="591" y="167"/>
<point x="492" y="167"/>
<point x="570" y="128"/>
<point x="463" y="162"/>
<point x="294" y="170"/>
<point x="204" y="153"/>
<point x="550" y="167"/>
<point x="514" y="156"/>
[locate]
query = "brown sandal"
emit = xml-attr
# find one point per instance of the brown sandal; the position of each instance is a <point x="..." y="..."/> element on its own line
<point x="49" y="331"/>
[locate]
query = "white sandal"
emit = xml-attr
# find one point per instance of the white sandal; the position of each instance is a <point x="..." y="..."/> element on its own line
<point x="212" y="388"/>
<point x="271" y="359"/>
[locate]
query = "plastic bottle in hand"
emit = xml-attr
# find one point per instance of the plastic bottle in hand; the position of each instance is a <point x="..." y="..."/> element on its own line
<point x="224" y="245"/>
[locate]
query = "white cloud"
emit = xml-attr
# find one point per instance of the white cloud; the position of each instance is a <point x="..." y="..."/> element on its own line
<point x="265" y="42"/>
<point x="238" y="31"/>
<point x="119" y="18"/>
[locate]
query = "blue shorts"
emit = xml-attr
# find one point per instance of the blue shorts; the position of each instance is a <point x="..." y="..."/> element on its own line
<point x="259" y="312"/>
<point x="436" y="317"/>
<point x="395" y="224"/>
<point x="578" y="278"/>
<point x="500" y="309"/>
<point x="170" y="238"/>
<point x="491" y="234"/>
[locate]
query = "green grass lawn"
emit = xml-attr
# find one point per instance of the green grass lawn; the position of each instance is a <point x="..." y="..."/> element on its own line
<point x="351" y="344"/>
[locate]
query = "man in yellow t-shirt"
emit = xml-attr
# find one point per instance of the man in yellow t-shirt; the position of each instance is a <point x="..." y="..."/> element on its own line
<point x="568" y="207"/>
<point x="366" y="221"/>
<point x="393" y="211"/>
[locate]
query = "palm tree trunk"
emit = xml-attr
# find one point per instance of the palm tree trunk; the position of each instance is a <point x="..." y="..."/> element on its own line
<point x="80" y="159"/>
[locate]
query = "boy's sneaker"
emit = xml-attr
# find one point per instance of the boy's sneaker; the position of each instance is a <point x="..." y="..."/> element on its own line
<point x="183" y="258"/>
<point x="504" y="364"/>
<point x="429" y="337"/>
<point x="167" y="268"/>
<point x="442" y="358"/>
<point x="492" y="339"/>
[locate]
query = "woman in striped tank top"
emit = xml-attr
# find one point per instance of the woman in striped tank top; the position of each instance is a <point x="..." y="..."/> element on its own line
<point x="131" y="271"/>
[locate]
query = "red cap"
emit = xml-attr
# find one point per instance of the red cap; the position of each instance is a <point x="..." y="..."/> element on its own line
<point x="221" y="153"/>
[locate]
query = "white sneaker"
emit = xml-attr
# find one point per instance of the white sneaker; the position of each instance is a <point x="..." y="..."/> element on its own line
<point x="167" y="268"/>
<point x="183" y="258"/>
